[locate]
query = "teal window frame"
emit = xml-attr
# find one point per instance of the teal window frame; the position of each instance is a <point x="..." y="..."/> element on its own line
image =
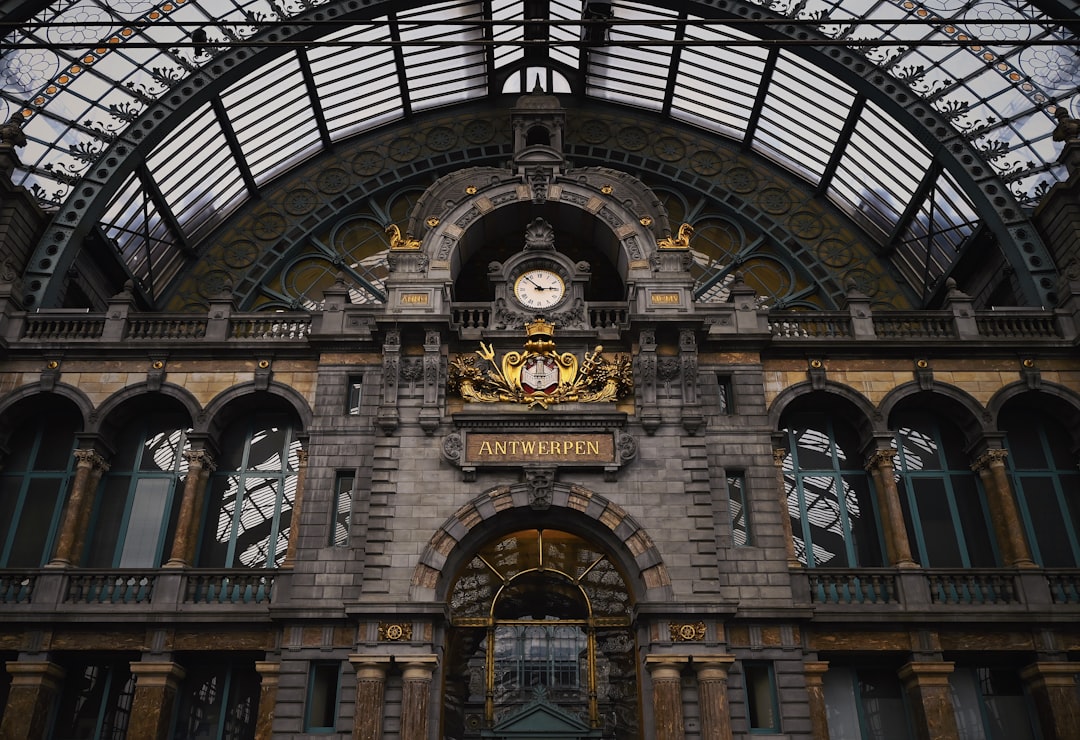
<point x="1061" y="480"/>
<point x="907" y="475"/>
<point x="228" y="685"/>
<point x="341" y="509"/>
<point x="739" y="510"/>
<point x="752" y="702"/>
<point x="108" y="701"/>
<point x="225" y="515"/>
<point x="23" y="479"/>
<point x="981" y="677"/>
<point x="798" y="479"/>
<point x="316" y="672"/>
<point x="135" y="475"/>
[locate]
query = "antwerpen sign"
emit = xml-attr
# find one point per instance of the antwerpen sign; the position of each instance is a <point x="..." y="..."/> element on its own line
<point x="511" y="449"/>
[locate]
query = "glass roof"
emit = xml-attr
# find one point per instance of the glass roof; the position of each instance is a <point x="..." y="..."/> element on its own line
<point x="82" y="73"/>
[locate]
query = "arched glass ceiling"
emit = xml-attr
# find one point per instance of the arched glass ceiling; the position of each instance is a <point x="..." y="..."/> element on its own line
<point x="80" y="73"/>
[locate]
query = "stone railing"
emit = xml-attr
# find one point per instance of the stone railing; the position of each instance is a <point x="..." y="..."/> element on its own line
<point x="933" y="590"/>
<point x="165" y="590"/>
<point x="920" y="326"/>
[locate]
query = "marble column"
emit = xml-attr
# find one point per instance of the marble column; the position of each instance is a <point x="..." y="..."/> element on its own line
<point x="1053" y="687"/>
<point x="712" y="674"/>
<point x="298" y="503"/>
<point x="89" y="467"/>
<point x="200" y="467"/>
<point x="666" y="674"/>
<point x="779" y="454"/>
<point x="880" y="465"/>
<point x="269" y="672"/>
<point x="156" y="684"/>
<point x="34" y="690"/>
<point x="370" y="691"/>
<point x="929" y="695"/>
<point x="815" y="691"/>
<point x="1004" y="514"/>
<point x="416" y="695"/>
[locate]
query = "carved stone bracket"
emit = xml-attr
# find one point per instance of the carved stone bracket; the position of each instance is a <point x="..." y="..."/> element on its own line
<point x="647" y="368"/>
<point x="387" y="417"/>
<point x="541" y="482"/>
<point x="434" y="369"/>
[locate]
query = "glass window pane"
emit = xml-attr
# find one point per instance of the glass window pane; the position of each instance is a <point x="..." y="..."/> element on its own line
<point x="142" y="540"/>
<point x="936" y="522"/>
<point x="41" y="512"/>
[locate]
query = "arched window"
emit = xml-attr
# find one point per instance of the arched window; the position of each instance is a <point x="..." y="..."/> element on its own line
<point x="251" y="495"/>
<point x="34" y="481"/>
<point x="834" y="519"/>
<point x="139" y="499"/>
<point x="1047" y="485"/>
<point x="541" y="615"/>
<point x="944" y="507"/>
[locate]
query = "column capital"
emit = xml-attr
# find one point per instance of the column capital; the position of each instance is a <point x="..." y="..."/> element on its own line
<point x="371" y="667"/>
<point x="932" y="673"/>
<point x="417" y="667"/>
<point x="778" y="455"/>
<point x="1052" y="673"/>
<point x="988" y="459"/>
<point x="90" y="459"/>
<point x="877" y="458"/>
<point x="157" y="674"/>
<point x="34" y="673"/>
<point x="201" y="458"/>
<point x="712" y="667"/>
<point x="666" y="666"/>
<point x="815" y="670"/>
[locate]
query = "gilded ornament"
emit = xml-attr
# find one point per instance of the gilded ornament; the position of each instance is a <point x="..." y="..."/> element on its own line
<point x="263" y="364"/>
<point x="470" y="190"/>
<point x="607" y="189"/>
<point x="645" y="221"/>
<point x="399" y="242"/>
<point x="394" y="632"/>
<point x="432" y="221"/>
<point x="681" y="240"/>
<point x="540" y="376"/>
<point x="687" y="632"/>
<point x="158" y="364"/>
<point x="52" y="364"/>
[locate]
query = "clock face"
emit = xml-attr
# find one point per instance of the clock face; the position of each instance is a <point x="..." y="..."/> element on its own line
<point x="539" y="288"/>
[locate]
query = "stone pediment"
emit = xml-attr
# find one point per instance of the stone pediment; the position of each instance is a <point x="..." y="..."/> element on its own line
<point x="541" y="719"/>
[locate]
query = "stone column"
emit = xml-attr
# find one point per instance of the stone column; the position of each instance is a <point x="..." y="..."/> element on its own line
<point x="200" y="467"/>
<point x="712" y="673"/>
<point x="815" y="691"/>
<point x="89" y="467"/>
<point x="269" y="671"/>
<point x="927" y="688"/>
<point x="156" y="685"/>
<point x="880" y="465"/>
<point x="415" y="695"/>
<point x="778" y="455"/>
<point x="370" y="689"/>
<point x="35" y="689"/>
<point x="1053" y="687"/>
<point x="1004" y="514"/>
<point x="666" y="674"/>
<point x="298" y="503"/>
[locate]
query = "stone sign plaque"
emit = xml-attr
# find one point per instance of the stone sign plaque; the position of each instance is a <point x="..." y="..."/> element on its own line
<point x="517" y="449"/>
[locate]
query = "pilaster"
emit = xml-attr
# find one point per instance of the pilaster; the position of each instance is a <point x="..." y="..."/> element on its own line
<point x="666" y="674"/>
<point x="930" y="697"/>
<point x="156" y="684"/>
<point x="1053" y="687"/>
<point x="370" y="695"/>
<point x="712" y="675"/>
<point x="35" y="689"/>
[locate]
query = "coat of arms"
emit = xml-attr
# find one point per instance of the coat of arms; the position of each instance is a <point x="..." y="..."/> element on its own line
<point x="540" y="376"/>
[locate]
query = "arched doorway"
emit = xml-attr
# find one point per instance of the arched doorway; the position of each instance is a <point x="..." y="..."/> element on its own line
<point x="540" y="643"/>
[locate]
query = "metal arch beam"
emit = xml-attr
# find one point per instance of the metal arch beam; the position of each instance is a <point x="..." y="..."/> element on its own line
<point x="993" y="198"/>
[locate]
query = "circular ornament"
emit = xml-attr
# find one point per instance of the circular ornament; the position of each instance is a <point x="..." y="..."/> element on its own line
<point x="865" y="282"/>
<point x="441" y="138"/>
<point x="394" y="632"/>
<point x="301" y="201"/>
<point x="240" y="254"/>
<point x="539" y="288"/>
<point x="669" y="149"/>
<point x="705" y="162"/>
<point x="332" y="180"/>
<point x="774" y="201"/>
<point x="633" y="138"/>
<point x="479" y="131"/>
<point x="595" y="132"/>
<point x="269" y="226"/>
<point x="213" y="283"/>
<point x="835" y="253"/>
<point x="742" y="179"/>
<point x="404" y="149"/>
<point x="687" y="632"/>
<point x="805" y="225"/>
<point x="367" y="163"/>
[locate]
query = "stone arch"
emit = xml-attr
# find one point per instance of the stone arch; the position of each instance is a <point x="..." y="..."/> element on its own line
<point x="968" y="414"/>
<point x="573" y="508"/>
<point x="851" y="405"/>
<point x="104" y="412"/>
<point x="1048" y="398"/>
<point x="215" y="416"/>
<point x="17" y="400"/>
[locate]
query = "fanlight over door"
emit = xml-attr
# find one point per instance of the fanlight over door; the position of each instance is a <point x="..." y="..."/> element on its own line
<point x="541" y="618"/>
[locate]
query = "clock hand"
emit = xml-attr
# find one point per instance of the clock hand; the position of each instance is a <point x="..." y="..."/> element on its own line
<point x="535" y="284"/>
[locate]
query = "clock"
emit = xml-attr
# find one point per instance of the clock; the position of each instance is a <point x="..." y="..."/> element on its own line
<point x="539" y="288"/>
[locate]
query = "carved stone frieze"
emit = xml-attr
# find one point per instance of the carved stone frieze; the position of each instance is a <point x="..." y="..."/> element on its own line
<point x="687" y="631"/>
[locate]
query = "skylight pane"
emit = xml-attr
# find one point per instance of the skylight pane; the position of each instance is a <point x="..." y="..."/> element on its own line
<point x="271" y="114"/>
<point x="508" y="10"/>
<point x="932" y="242"/>
<point x="358" y="87"/>
<point x="195" y="170"/>
<point x="879" y="171"/>
<point x="715" y="86"/>
<point x="449" y="71"/>
<point x="803" y="114"/>
<point x="565" y="49"/>
<point x="636" y="75"/>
